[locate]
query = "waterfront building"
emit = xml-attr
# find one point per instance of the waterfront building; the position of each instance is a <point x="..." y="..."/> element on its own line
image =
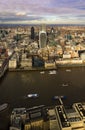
<point x="54" y="125"/>
<point x="18" y="117"/>
<point x="37" y="119"/>
<point x="50" y="64"/>
<point x="12" y="63"/>
<point x="26" y="62"/>
<point x="52" y="118"/>
<point x="69" y="119"/>
<point x="14" y="128"/>
<point x="37" y="61"/>
<point x="80" y="108"/>
<point x="69" y="62"/>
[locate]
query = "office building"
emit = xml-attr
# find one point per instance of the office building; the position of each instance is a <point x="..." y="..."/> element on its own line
<point x="32" y="33"/>
<point x="71" y="118"/>
<point x="42" y="36"/>
<point x="37" y="119"/>
<point x="42" y="39"/>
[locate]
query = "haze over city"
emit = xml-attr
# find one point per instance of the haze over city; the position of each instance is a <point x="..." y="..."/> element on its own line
<point x="46" y="11"/>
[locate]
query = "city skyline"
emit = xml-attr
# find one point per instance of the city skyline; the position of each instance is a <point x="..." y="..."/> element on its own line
<point x="46" y="11"/>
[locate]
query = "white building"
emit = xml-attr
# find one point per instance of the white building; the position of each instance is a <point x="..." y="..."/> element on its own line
<point x="12" y="64"/>
<point x="42" y="39"/>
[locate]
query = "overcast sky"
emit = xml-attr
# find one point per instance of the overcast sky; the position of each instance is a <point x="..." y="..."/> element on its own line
<point x="42" y="11"/>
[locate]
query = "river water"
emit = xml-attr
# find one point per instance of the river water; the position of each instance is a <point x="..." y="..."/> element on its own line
<point x="16" y="85"/>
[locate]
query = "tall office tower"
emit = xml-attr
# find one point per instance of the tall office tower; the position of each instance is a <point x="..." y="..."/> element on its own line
<point x="32" y="33"/>
<point x="42" y="39"/>
<point x="42" y="36"/>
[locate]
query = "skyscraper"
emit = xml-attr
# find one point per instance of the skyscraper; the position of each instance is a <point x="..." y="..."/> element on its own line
<point x="42" y="39"/>
<point x="32" y="33"/>
<point x="52" y="34"/>
<point x="42" y="36"/>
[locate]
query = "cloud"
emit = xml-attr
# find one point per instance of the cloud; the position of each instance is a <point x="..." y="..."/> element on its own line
<point x="39" y="11"/>
<point x="21" y="13"/>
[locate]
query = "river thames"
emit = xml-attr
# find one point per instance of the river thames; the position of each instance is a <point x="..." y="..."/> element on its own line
<point x="16" y="85"/>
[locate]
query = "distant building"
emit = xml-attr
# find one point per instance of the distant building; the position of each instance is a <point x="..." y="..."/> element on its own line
<point x="52" y="34"/>
<point x="42" y="27"/>
<point x="32" y="33"/>
<point x="52" y="30"/>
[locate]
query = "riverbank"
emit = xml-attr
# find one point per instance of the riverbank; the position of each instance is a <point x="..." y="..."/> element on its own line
<point x="32" y="69"/>
<point x="70" y="65"/>
<point x="46" y="69"/>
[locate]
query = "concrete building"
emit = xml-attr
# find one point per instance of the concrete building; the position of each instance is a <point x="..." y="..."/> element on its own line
<point x="72" y="118"/>
<point x="27" y="62"/>
<point x="18" y="117"/>
<point x="14" y="128"/>
<point x="12" y="63"/>
<point x="66" y="55"/>
<point x="37" y="119"/>
<point x="50" y="64"/>
<point x="54" y="125"/>
<point x="80" y="108"/>
<point x="82" y="56"/>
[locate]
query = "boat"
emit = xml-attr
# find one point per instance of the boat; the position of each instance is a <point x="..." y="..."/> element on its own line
<point x="3" y="106"/>
<point x="52" y="72"/>
<point x="57" y="97"/>
<point x="65" y="85"/>
<point x="68" y="70"/>
<point x="35" y="95"/>
<point x="42" y="72"/>
<point x="35" y="107"/>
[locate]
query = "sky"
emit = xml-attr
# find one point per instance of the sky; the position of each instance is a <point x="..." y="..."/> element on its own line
<point x="42" y="11"/>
